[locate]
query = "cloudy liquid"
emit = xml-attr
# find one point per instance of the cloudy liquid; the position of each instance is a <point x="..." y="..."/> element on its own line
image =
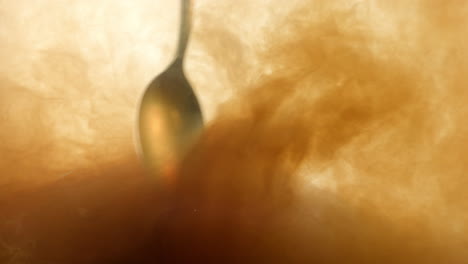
<point x="344" y="141"/>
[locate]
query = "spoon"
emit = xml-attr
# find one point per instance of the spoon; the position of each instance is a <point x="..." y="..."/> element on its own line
<point x="170" y="118"/>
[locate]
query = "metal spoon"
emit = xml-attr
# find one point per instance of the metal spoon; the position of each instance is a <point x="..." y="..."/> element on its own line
<point x="170" y="118"/>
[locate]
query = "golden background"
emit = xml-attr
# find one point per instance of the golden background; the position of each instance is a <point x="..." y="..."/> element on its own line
<point x="336" y="132"/>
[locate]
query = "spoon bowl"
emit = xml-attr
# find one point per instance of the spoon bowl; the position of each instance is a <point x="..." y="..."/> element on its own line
<point x="170" y="117"/>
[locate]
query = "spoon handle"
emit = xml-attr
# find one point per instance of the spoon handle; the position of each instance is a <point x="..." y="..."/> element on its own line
<point x="185" y="26"/>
